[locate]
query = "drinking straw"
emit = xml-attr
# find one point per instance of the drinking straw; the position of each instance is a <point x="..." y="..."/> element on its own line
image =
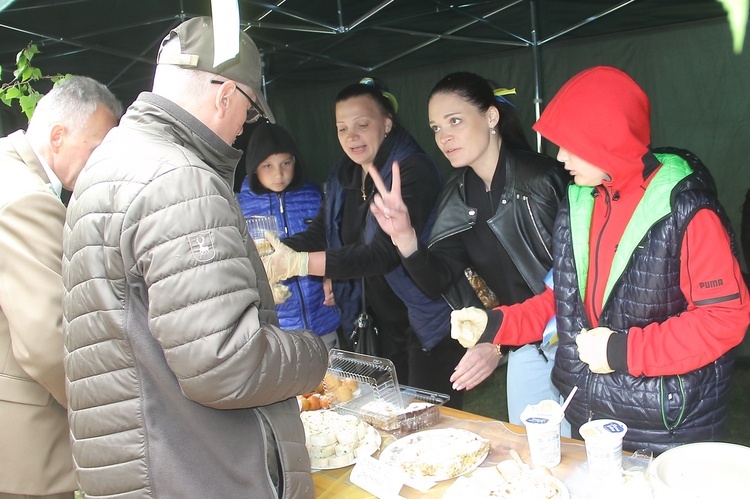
<point x="569" y="398"/>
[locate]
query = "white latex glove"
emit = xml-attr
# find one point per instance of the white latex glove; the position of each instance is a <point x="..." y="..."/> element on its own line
<point x="467" y="325"/>
<point x="592" y="349"/>
<point x="281" y="293"/>
<point x="284" y="262"/>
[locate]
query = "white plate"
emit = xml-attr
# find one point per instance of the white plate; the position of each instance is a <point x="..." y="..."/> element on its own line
<point x="432" y="444"/>
<point x="370" y="431"/>
<point x="710" y="470"/>
<point x="487" y="483"/>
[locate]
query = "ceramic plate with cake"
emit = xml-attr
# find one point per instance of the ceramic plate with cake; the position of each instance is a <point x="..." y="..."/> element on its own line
<point x="437" y="455"/>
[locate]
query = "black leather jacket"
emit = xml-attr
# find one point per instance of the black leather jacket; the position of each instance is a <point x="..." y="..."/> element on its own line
<point x="535" y="185"/>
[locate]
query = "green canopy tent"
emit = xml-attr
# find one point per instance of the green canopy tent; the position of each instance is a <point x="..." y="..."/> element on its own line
<point x="679" y="51"/>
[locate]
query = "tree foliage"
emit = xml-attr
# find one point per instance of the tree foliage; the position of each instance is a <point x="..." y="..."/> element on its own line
<point x="25" y="77"/>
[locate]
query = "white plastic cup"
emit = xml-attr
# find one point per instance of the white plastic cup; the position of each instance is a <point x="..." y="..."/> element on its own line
<point x="603" y="439"/>
<point x="542" y="422"/>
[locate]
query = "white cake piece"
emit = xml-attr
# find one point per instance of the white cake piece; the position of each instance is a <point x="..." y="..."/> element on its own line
<point x="335" y="440"/>
<point x="388" y="409"/>
<point x="508" y="480"/>
<point x="322" y="439"/>
<point x="321" y="452"/>
<point x="345" y="449"/>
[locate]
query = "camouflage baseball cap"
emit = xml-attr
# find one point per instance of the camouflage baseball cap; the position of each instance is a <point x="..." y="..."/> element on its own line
<point x="196" y="38"/>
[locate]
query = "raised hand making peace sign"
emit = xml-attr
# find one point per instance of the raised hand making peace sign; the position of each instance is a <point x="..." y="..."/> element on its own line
<point x="391" y="212"/>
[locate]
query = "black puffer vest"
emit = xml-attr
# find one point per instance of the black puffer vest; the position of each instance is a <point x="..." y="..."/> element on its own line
<point x="661" y="412"/>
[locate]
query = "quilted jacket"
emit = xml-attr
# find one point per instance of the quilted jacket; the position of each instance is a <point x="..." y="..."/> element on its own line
<point x="294" y="209"/>
<point x="180" y="384"/>
<point x="660" y="411"/>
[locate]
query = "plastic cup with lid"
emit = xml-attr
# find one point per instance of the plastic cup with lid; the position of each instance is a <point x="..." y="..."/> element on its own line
<point x="542" y="422"/>
<point x="257" y="226"/>
<point x="603" y="439"/>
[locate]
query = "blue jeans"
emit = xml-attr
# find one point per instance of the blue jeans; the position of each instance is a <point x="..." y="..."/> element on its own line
<point x="529" y="382"/>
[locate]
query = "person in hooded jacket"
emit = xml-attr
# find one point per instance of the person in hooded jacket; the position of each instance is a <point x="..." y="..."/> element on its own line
<point x="345" y="243"/>
<point x="647" y="288"/>
<point x="275" y="185"/>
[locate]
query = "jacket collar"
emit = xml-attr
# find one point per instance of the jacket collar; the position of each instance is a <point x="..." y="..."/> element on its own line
<point x="165" y="118"/>
<point x="27" y="154"/>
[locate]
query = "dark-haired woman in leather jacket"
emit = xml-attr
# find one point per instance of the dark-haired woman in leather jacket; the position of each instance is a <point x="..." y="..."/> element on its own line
<point x="495" y="217"/>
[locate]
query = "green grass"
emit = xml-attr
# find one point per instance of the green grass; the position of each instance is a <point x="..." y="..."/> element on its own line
<point x="488" y="399"/>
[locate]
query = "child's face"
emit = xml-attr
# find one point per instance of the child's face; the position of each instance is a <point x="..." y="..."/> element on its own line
<point x="583" y="172"/>
<point x="276" y="171"/>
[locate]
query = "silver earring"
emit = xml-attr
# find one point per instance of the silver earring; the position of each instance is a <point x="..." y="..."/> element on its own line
<point x="493" y="131"/>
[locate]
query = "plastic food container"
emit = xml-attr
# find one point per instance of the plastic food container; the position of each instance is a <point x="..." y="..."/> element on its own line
<point x="379" y="399"/>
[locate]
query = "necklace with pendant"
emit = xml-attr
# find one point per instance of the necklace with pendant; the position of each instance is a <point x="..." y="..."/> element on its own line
<point x="364" y="194"/>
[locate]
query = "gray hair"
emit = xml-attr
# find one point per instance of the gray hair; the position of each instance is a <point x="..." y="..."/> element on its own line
<point x="73" y="101"/>
<point x="180" y="84"/>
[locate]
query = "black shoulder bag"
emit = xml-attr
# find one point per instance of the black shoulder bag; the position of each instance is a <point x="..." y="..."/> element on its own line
<point x="365" y="334"/>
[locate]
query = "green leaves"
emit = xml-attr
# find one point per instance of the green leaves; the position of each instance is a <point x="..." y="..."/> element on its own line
<point x="20" y="88"/>
<point x="28" y="102"/>
<point x="737" y="12"/>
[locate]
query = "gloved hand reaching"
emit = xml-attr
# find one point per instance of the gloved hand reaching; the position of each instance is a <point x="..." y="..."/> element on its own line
<point x="284" y="262"/>
<point x="592" y="349"/>
<point x="280" y="292"/>
<point x="467" y="325"/>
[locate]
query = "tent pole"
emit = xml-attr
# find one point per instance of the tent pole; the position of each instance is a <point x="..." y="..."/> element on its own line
<point x="537" y="71"/>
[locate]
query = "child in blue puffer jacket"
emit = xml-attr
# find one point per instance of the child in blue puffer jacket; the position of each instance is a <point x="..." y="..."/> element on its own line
<point x="275" y="185"/>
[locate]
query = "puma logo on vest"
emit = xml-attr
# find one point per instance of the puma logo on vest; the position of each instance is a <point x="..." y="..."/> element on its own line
<point x="711" y="284"/>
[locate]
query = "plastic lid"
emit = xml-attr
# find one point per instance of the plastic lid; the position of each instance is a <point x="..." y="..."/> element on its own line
<point x="377" y="372"/>
<point x="603" y="428"/>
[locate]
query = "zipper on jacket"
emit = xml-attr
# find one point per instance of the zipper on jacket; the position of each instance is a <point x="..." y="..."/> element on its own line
<point x="590" y="396"/>
<point x="663" y="394"/>
<point x="282" y="212"/>
<point x="536" y="227"/>
<point x="596" y="259"/>
<point x="452" y="233"/>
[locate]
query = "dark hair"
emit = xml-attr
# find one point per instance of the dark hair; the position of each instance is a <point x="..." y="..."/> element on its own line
<point x="376" y="89"/>
<point x="478" y="91"/>
<point x="266" y="140"/>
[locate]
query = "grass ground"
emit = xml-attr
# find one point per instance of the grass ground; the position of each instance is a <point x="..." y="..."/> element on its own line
<point x="488" y="399"/>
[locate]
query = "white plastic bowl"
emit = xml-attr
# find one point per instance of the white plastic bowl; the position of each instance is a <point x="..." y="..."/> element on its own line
<point x="703" y="470"/>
